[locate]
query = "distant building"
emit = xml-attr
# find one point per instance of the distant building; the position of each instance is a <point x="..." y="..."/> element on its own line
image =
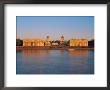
<point x="55" y="44"/>
<point x="48" y="38"/>
<point x="48" y="41"/>
<point x="79" y="42"/>
<point x="62" y="40"/>
<point x="33" y="42"/>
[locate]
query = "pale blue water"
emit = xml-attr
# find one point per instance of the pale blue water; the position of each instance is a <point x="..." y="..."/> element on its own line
<point x="55" y="62"/>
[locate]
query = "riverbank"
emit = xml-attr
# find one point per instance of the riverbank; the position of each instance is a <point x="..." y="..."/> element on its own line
<point x="51" y="48"/>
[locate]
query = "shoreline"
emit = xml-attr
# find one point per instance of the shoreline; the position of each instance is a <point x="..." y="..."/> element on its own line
<point x="51" y="48"/>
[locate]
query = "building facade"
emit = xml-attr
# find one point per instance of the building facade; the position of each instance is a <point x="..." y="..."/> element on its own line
<point x="54" y="44"/>
<point x="48" y="42"/>
<point x="33" y="42"/>
<point x="79" y="42"/>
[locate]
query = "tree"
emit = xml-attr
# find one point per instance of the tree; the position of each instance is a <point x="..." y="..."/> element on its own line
<point x="57" y="41"/>
<point x="19" y="42"/>
<point x="91" y="43"/>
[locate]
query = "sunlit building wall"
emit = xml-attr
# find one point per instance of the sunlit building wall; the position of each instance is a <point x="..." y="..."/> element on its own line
<point x="79" y="42"/>
<point x="33" y="42"/>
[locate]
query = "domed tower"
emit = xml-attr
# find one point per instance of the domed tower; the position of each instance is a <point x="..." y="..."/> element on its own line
<point x="47" y="42"/>
<point x="62" y="40"/>
<point x="48" y="38"/>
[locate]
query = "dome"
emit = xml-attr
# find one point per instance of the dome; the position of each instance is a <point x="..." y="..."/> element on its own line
<point x="62" y="36"/>
<point x="47" y="36"/>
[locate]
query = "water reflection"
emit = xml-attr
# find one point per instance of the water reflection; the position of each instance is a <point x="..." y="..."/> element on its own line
<point x="55" y="62"/>
<point x="78" y="53"/>
<point x="35" y="53"/>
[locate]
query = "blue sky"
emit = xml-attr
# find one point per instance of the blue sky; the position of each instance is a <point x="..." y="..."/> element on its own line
<point x="55" y="26"/>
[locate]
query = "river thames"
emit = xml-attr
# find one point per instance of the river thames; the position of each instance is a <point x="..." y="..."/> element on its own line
<point x="55" y="62"/>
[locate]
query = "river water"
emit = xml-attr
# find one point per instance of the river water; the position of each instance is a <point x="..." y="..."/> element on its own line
<point x="55" y="62"/>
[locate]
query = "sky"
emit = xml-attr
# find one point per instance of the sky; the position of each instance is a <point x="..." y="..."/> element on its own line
<point x="55" y="26"/>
